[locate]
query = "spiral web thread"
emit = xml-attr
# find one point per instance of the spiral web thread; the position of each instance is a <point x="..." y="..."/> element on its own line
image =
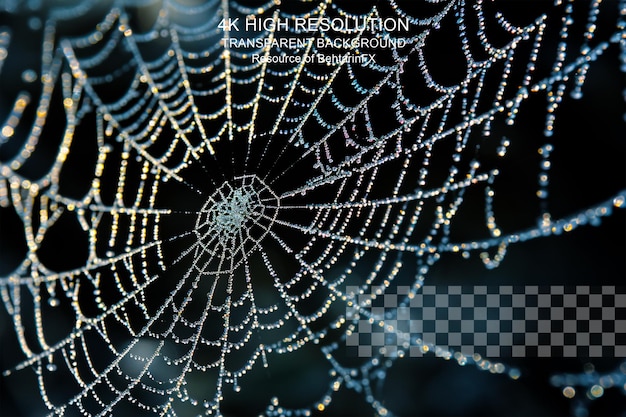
<point x="170" y="106"/>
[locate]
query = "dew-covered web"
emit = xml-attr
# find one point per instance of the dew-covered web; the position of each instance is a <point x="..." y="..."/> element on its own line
<point x="182" y="214"/>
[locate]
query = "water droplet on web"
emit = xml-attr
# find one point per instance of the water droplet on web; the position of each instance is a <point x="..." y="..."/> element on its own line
<point x="29" y="76"/>
<point x="569" y="392"/>
<point x="596" y="391"/>
<point x="34" y="23"/>
<point x="51" y="367"/>
<point x="576" y="94"/>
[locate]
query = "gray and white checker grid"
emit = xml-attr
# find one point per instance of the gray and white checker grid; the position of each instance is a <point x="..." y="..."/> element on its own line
<point x="495" y="321"/>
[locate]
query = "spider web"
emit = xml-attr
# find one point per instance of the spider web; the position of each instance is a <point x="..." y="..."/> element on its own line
<point x="185" y="216"/>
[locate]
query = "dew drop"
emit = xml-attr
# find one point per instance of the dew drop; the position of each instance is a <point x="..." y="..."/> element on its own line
<point x="596" y="391"/>
<point x="576" y="94"/>
<point x="34" y="23"/>
<point x="569" y="392"/>
<point x="29" y="76"/>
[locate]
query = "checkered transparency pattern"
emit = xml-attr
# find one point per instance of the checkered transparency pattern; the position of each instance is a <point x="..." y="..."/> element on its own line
<point x="496" y="321"/>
